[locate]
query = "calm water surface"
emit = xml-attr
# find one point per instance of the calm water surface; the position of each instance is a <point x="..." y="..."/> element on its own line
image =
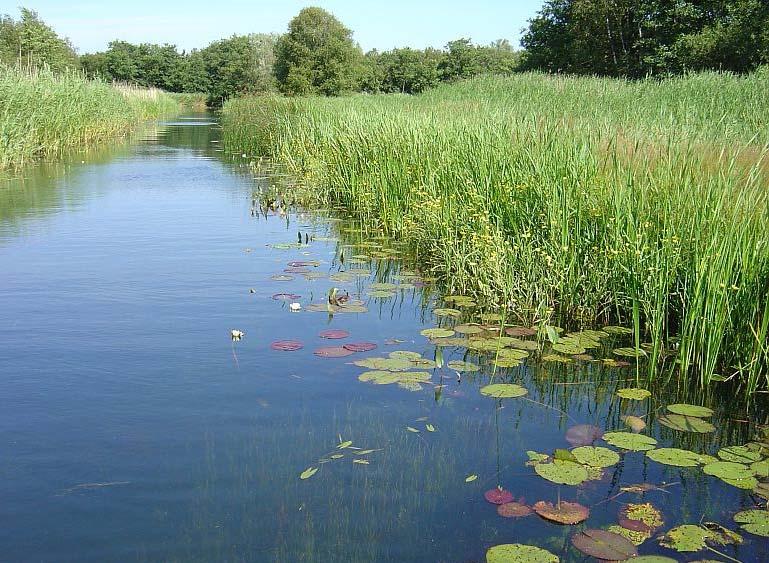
<point x="133" y="429"/>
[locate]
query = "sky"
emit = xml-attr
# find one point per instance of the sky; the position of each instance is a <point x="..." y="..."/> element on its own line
<point x="189" y="24"/>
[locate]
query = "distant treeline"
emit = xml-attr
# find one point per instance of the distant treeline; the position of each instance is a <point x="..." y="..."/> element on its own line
<point x="317" y="55"/>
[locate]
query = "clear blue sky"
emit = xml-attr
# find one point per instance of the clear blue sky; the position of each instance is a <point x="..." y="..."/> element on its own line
<point x="195" y="23"/>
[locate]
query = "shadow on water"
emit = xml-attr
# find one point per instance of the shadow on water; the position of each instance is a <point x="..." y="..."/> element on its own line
<point x="133" y="428"/>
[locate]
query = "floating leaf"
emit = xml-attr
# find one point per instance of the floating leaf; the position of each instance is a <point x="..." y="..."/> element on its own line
<point x="762" y="490"/>
<point x="437" y="332"/>
<point x="518" y="331"/>
<point x="728" y="470"/>
<point x="634" y="394"/>
<point x="359" y="346"/>
<point x="412" y="429"/>
<point x="514" y="510"/>
<point x="564" y="512"/>
<point x="281" y="277"/>
<point x="498" y="495"/>
<point x="307" y="473"/>
<point x="569" y="349"/>
<point x="336" y="456"/>
<point x="675" y="457"/>
<point x="686" y="538"/>
<point x="344" y="445"/>
<point x="690" y="410"/>
<point x="583" y="434"/>
<point x="334" y="334"/>
<point x="630" y="441"/>
<point x="721" y="535"/>
<point x="470" y="478"/>
<point x="286" y="297"/>
<point x="617" y="330"/>
<point x="463" y="366"/>
<point x="361" y="461"/>
<point x="604" y="545"/>
<point x="386" y="364"/>
<point x="503" y="390"/>
<point x="645" y="513"/>
<point x="754" y="521"/>
<point x="565" y="455"/>
<point x="760" y="468"/>
<point x="635" y="423"/>
<point x="333" y="352"/>
<point x="562" y="472"/>
<point x="430" y="427"/>
<point x="596" y="456"/>
<point x="686" y="423"/>
<point x="536" y="457"/>
<point x="633" y="536"/>
<point x="629" y="352"/>
<point x="286" y="345"/>
<point x="443" y="312"/>
<point x="468" y="329"/>
<point x="519" y="553"/>
<point x="739" y="454"/>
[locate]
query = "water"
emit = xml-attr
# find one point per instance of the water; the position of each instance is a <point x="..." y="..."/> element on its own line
<point x="133" y="428"/>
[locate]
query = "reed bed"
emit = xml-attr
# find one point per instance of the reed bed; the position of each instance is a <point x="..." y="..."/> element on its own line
<point x="43" y="115"/>
<point x="572" y="201"/>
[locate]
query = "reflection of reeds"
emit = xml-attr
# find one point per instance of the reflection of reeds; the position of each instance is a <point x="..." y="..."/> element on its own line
<point x="45" y="114"/>
<point x="526" y="188"/>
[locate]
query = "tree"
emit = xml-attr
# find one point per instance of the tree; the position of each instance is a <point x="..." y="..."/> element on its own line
<point x="461" y="60"/>
<point x="30" y="42"/>
<point x="317" y="56"/>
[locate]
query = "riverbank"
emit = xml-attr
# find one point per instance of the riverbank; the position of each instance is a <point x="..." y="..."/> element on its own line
<point x="46" y="114"/>
<point x="572" y="201"/>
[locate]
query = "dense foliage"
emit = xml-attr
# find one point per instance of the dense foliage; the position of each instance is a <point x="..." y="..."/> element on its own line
<point x="30" y="42"/>
<point x="636" y="38"/>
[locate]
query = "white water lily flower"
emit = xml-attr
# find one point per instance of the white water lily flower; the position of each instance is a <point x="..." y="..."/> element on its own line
<point x="295" y="307"/>
<point x="237" y="334"/>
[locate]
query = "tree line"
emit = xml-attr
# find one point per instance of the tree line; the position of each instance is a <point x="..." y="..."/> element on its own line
<point x="318" y="56"/>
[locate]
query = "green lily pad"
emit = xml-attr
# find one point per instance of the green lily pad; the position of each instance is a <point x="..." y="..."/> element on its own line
<point x="507" y="363"/>
<point x="653" y="559"/>
<point x="675" y="457"/>
<point x="739" y="454"/>
<point x="437" y="332"/>
<point x="562" y="472"/>
<point x="446" y="312"/>
<point x="503" y="390"/>
<point x="568" y="348"/>
<point x="556" y="358"/>
<point x="754" y="521"/>
<point x="405" y="355"/>
<point x="690" y="410"/>
<point x="630" y="441"/>
<point x="519" y="553"/>
<point x="728" y="470"/>
<point x="468" y="329"/>
<point x="686" y="423"/>
<point x="629" y="352"/>
<point x="463" y="366"/>
<point x="633" y="536"/>
<point x="596" y="456"/>
<point x="384" y="364"/>
<point x="383" y="286"/>
<point x="381" y="294"/>
<point x="686" y="538"/>
<point x="634" y="394"/>
<point x="760" y="468"/>
<point x="536" y="457"/>
<point x="617" y="330"/>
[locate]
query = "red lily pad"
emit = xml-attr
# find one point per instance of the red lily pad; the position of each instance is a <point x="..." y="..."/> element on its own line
<point x="498" y="496"/>
<point x="635" y="525"/>
<point x="359" y="346"/>
<point x="514" y="510"/>
<point x="583" y="434"/>
<point x="520" y="331"/>
<point x="334" y="334"/>
<point x="286" y="345"/>
<point x="333" y="352"/>
<point x="604" y="545"/>
<point x="286" y="297"/>
<point x="563" y="512"/>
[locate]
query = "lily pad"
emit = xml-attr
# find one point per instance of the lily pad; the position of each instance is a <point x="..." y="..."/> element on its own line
<point x="569" y="513"/>
<point x="503" y="390"/>
<point x="686" y="423"/>
<point x="690" y="410"/>
<point x="287" y="345"/>
<point x="334" y="334"/>
<point x="562" y="472"/>
<point x="437" y="332"/>
<point x="739" y="454"/>
<point x="728" y="470"/>
<point x="514" y="510"/>
<point x="583" y="434"/>
<point x="634" y="394"/>
<point x="468" y="329"/>
<point x="359" y="346"/>
<point x="519" y="331"/>
<point x="505" y="363"/>
<point x="405" y="354"/>
<point x="760" y="468"/>
<point x="675" y="457"/>
<point x="333" y="352"/>
<point x="457" y="365"/>
<point x="633" y="536"/>
<point x="519" y="553"/>
<point x="602" y="544"/>
<point x="686" y="538"/>
<point x="630" y="441"/>
<point x="645" y="513"/>
<point x="282" y="277"/>
<point x="612" y="329"/>
<point x="498" y="495"/>
<point x="286" y="297"/>
<point x="754" y="521"/>
<point x="386" y="364"/>
<point x="307" y="473"/>
<point x="596" y="456"/>
<point x="445" y="312"/>
<point x="629" y="352"/>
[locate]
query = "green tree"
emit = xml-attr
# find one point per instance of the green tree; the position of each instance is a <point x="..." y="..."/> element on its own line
<point x="30" y="42"/>
<point x="461" y="60"/>
<point x="317" y="56"/>
<point x="410" y="71"/>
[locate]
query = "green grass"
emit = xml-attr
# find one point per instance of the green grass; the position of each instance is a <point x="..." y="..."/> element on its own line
<point x="571" y="201"/>
<point x="190" y="101"/>
<point x="43" y="115"/>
